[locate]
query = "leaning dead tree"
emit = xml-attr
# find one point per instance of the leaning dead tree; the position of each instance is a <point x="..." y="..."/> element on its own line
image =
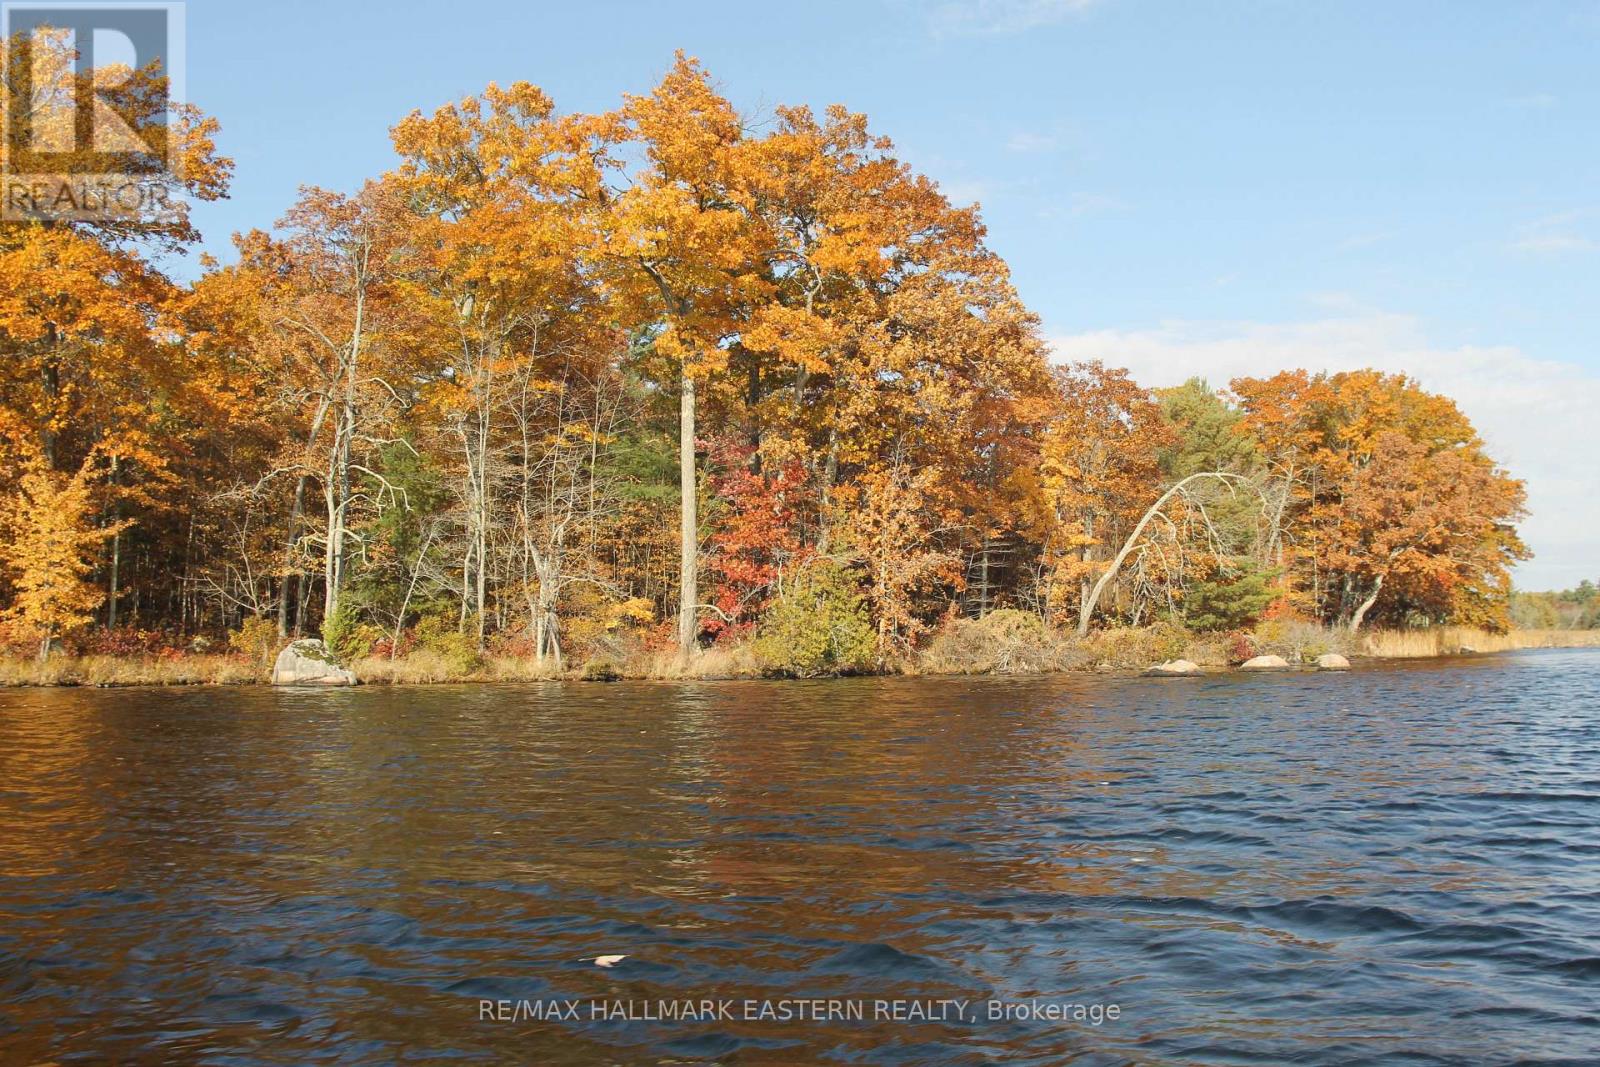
<point x="1180" y="489"/>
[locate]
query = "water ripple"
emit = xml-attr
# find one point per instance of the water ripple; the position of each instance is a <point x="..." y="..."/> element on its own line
<point x="1396" y="865"/>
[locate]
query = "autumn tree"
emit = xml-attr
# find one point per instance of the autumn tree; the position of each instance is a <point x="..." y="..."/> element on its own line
<point x="687" y="260"/>
<point x="91" y="357"/>
<point x="892" y="356"/>
<point x="337" y="324"/>
<point x="1395" y="510"/>
<point x="49" y="542"/>
<point x="556" y="376"/>
<point x="1098" y="462"/>
<point x="499" y="183"/>
<point x="760" y="538"/>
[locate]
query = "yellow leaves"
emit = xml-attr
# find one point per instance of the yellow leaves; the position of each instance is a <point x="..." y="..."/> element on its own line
<point x="685" y="123"/>
<point x="1097" y="464"/>
<point x="88" y="331"/>
<point x="680" y="347"/>
<point x="795" y="337"/>
<point x="47" y="545"/>
<point x="634" y="610"/>
<point x="61" y="282"/>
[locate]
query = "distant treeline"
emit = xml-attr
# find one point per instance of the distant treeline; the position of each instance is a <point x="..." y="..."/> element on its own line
<point x="1569" y="609"/>
<point x="666" y="375"/>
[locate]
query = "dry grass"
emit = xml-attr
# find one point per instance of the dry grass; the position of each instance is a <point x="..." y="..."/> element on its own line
<point x="965" y="651"/>
<point x="425" y="667"/>
<point x="1129" y="648"/>
<point x="130" y="670"/>
<point x="1002" y="642"/>
<point x="1452" y="640"/>
<point x="734" y="661"/>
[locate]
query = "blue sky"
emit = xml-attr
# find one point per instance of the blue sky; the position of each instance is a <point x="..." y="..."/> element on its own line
<point x="1180" y="187"/>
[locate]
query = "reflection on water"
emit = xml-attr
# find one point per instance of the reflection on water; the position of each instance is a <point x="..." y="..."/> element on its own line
<point x="1396" y="864"/>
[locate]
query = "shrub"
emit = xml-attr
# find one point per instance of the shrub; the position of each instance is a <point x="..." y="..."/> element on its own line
<point x="819" y="626"/>
<point x="1296" y="640"/>
<point x="1132" y="649"/>
<point x="1006" y="641"/>
<point x="1230" y="601"/>
<point x="256" y="640"/>
<point x="600" y="669"/>
<point x="347" y="637"/>
<point x="592" y="619"/>
<point x="440" y="637"/>
<point x="123" y="641"/>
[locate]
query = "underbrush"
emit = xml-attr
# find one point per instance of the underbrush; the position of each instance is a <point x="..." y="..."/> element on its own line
<point x="1003" y="642"/>
<point x="1127" y="648"/>
<point x="607" y="661"/>
<point x="1298" y="641"/>
<point x="718" y="661"/>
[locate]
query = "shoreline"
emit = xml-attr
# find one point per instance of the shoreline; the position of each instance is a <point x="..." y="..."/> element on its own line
<point x="220" y="671"/>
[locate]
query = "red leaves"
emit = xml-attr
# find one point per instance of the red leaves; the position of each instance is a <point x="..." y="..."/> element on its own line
<point x="759" y="536"/>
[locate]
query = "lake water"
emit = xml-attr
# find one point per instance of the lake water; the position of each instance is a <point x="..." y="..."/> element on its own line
<point x="1398" y="865"/>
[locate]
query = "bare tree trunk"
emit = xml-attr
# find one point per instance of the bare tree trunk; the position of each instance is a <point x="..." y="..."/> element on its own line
<point x="338" y="491"/>
<point x="1366" y="605"/>
<point x="296" y="516"/>
<point x="1133" y="539"/>
<point x="1084" y="555"/>
<point x="330" y="548"/>
<point x="287" y="590"/>
<point x="114" y="584"/>
<point x="336" y="499"/>
<point x="688" y="544"/>
<point x="405" y="603"/>
<point x="480" y="521"/>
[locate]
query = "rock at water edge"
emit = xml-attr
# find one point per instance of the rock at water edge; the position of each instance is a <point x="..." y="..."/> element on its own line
<point x="1177" y="668"/>
<point x="308" y="662"/>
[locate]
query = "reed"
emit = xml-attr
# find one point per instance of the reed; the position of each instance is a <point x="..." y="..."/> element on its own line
<point x="1454" y="640"/>
<point x="194" y="669"/>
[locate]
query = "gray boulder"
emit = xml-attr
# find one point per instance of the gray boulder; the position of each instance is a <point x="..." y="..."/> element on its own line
<point x="308" y="662"/>
<point x="1332" y="661"/>
<point x="1265" y="663"/>
<point x="1176" y="668"/>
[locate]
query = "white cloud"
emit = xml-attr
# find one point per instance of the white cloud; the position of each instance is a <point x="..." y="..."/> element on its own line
<point x="1536" y="416"/>
<point x="1093" y="204"/>
<point x="1555" y="235"/>
<point x="962" y="192"/>
<point x="954" y="18"/>
<point x="1554" y="243"/>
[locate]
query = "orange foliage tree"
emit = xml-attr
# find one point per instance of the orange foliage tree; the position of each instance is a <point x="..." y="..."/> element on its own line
<point x="502" y="366"/>
<point x="1395" y="512"/>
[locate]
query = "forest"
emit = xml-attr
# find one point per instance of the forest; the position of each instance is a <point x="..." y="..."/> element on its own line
<point x="568" y="388"/>
<point x="1568" y="609"/>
